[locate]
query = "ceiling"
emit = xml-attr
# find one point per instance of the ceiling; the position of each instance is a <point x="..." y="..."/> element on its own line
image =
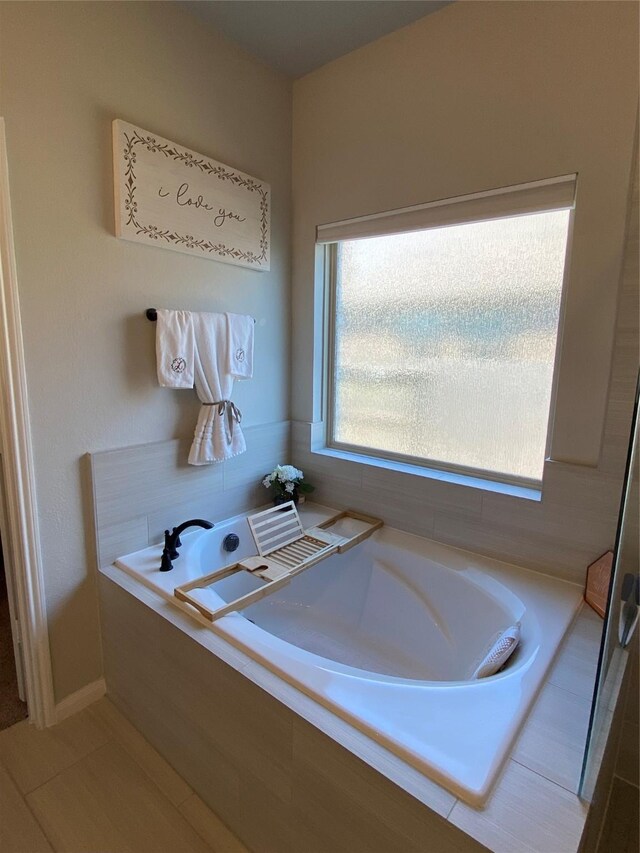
<point x="297" y="36"/>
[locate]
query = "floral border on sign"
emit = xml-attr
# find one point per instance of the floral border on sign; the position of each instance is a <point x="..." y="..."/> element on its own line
<point x="204" y="165"/>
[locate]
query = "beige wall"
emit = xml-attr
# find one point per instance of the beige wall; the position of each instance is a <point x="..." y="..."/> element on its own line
<point x="67" y="70"/>
<point x="476" y="96"/>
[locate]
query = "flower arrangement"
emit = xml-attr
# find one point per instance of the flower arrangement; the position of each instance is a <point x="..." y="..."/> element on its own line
<point x="286" y="481"/>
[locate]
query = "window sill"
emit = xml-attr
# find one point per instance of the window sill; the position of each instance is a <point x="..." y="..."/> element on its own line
<point x="527" y="493"/>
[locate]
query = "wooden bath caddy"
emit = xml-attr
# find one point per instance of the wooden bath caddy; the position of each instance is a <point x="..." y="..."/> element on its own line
<point x="285" y="549"/>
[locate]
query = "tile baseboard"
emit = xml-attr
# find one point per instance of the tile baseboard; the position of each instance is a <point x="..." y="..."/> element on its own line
<point x="79" y="700"/>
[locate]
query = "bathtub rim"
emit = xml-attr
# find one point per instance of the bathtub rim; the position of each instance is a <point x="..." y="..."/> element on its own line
<point x="194" y="537"/>
<point x="569" y="813"/>
<point x="475" y="795"/>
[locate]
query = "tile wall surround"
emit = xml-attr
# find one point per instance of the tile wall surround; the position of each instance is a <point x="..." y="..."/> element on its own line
<point x="141" y="490"/>
<point x="573" y="524"/>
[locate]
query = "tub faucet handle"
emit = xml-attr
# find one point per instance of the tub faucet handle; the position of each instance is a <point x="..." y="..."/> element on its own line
<point x="171" y="545"/>
<point x="165" y="564"/>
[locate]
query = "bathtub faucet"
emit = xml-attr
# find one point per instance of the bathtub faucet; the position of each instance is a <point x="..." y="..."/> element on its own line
<point x="172" y="541"/>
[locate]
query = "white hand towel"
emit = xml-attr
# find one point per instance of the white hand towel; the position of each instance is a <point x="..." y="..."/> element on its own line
<point x="175" y="349"/>
<point x="218" y="434"/>
<point x="240" y="345"/>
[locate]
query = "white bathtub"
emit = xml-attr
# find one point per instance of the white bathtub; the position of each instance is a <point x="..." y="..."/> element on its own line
<point x="387" y="636"/>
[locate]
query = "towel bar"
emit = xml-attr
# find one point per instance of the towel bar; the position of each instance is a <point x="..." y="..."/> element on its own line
<point x="152" y="314"/>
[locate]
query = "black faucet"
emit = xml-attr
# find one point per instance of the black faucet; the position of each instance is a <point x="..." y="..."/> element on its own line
<point x="172" y="541"/>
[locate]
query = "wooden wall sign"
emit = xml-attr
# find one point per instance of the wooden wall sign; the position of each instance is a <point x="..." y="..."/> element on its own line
<point x="169" y="196"/>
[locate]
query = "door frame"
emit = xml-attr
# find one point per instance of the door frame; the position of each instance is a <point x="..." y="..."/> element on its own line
<point x="14" y="623"/>
<point x="25" y="558"/>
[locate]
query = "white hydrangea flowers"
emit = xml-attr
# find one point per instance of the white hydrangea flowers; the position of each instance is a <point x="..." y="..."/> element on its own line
<point x="284" y="478"/>
<point x="287" y="483"/>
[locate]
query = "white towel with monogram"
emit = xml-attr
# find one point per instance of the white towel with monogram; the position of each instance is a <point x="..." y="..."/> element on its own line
<point x="174" y="349"/>
<point x="240" y="345"/>
<point x="218" y="435"/>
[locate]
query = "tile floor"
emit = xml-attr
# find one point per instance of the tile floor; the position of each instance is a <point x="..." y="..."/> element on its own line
<point x="93" y="784"/>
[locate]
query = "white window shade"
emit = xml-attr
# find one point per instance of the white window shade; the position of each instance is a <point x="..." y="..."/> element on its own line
<point x="552" y="194"/>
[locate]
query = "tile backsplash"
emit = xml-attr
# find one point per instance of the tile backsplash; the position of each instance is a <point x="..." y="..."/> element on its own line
<point x="141" y="490"/>
<point x="573" y="524"/>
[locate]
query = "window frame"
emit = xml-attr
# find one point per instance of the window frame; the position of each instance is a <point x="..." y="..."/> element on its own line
<point x="330" y="267"/>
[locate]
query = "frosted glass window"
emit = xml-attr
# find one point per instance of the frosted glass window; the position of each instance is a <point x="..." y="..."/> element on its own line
<point x="444" y="343"/>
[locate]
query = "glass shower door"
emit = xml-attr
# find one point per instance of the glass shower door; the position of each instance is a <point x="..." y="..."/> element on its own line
<point x="620" y="630"/>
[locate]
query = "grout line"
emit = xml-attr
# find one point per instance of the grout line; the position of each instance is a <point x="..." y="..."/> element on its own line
<point x="552" y="781"/>
<point x="64" y="769"/>
<point x="603" y="820"/>
<point x="453" y="805"/>
<point x="38" y="823"/>
<point x="521" y="763"/>
<point x="587" y="699"/>
<point x="116" y="740"/>
<point x="626" y="781"/>
<point x="500" y="829"/>
<point x="24" y="794"/>
<point x="113" y="740"/>
<point x="216" y="816"/>
<point x="188" y="821"/>
<point x="543" y="776"/>
<point x="10" y="775"/>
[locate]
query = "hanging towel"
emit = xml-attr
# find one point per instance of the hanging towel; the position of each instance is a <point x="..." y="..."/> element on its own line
<point x="218" y="435"/>
<point x="240" y="345"/>
<point x="175" y="349"/>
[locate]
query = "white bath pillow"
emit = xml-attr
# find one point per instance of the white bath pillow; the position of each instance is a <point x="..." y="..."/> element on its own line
<point x="499" y="653"/>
